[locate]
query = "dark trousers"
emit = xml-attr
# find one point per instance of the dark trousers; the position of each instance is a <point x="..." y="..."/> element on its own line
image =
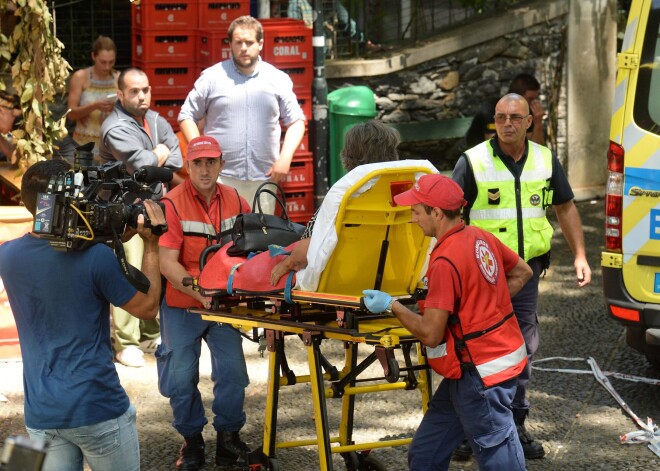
<point x="525" y="305"/>
<point x="461" y="408"/>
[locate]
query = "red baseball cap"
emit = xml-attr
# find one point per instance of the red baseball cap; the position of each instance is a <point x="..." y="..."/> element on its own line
<point x="203" y="146"/>
<point x="435" y="190"/>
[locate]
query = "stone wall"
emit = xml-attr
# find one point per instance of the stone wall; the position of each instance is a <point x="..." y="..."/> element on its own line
<point x="456" y="85"/>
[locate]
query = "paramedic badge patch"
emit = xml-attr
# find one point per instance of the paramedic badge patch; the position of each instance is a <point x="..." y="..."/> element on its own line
<point x="535" y="200"/>
<point x="486" y="261"/>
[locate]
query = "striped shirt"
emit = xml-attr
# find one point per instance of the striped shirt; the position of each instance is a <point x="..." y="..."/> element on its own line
<point x="243" y="113"/>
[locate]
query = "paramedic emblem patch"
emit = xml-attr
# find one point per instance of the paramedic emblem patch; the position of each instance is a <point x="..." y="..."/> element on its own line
<point x="486" y="261"/>
<point x="535" y="200"/>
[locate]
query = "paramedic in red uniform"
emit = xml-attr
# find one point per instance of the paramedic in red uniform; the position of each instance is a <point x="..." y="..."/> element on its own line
<point x="471" y="335"/>
<point x="198" y="213"/>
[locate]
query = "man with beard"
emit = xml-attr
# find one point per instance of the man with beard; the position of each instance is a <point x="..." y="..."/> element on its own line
<point x="242" y="101"/>
<point x="137" y="136"/>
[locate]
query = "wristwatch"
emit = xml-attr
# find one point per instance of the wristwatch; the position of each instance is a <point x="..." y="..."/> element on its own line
<point x="388" y="309"/>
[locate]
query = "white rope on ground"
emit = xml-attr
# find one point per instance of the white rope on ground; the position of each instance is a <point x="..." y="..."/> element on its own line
<point x="649" y="433"/>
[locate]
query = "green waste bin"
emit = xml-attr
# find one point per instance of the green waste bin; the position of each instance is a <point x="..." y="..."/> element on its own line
<point x="347" y="107"/>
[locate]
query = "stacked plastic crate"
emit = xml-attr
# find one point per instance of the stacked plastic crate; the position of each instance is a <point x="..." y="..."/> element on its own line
<point x="214" y="20"/>
<point x="165" y="44"/>
<point x="174" y="40"/>
<point x="288" y="46"/>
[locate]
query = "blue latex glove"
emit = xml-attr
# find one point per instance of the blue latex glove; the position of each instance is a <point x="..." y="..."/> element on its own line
<point x="376" y="301"/>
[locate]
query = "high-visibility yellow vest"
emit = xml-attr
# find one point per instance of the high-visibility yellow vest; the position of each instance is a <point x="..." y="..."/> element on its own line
<point x="514" y="209"/>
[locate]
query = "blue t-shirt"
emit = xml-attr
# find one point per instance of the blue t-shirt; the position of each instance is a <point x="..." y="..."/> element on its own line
<point x="61" y="303"/>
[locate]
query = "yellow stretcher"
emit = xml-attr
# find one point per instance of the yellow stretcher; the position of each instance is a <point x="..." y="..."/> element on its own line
<point x="376" y="247"/>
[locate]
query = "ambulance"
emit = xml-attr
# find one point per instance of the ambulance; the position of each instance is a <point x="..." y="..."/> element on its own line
<point x="631" y="260"/>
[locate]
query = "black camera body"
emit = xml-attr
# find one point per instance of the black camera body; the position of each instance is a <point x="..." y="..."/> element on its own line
<point x="94" y="204"/>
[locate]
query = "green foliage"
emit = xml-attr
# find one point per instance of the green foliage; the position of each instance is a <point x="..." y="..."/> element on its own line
<point x="38" y="73"/>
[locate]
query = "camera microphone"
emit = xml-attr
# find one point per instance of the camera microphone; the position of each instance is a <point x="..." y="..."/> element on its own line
<point x="153" y="174"/>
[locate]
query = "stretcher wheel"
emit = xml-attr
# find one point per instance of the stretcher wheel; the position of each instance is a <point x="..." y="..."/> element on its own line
<point x="351" y="460"/>
<point x="362" y="461"/>
<point x="369" y="463"/>
<point x="273" y="464"/>
<point x="392" y="375"/>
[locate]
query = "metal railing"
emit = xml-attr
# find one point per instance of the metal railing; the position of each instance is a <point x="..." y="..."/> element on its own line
<point x="79" y="22"/>
<point x="397" y="23"/>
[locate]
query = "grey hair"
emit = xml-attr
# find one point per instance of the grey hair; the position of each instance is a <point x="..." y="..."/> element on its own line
<point x="369" y="142"/>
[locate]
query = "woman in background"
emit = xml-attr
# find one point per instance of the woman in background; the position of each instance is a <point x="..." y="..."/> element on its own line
<point x="93" y="92"/>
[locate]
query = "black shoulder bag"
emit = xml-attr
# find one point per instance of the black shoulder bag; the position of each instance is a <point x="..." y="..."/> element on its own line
<point x="255" y="231"/>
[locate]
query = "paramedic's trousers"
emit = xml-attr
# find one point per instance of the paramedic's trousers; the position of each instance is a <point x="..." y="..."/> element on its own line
<point x="525" y="304"/>
<point x="464" y="407"/>
<point x="178" y="371"/>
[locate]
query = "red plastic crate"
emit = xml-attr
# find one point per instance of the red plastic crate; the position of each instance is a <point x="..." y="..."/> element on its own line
<point x="163" y="14"/>
<point x="301" y="173"/>
<point x="300" y="203"/>
<point x="171" y="79"/>
<point x="168" y="107"/>
<point x="301" y="75"/>
<point x="217" y="16"/>
<point x="305" y="102"/>
<point x="214" y="47"/>
<point x="162" y="46"/>
<point x="287" y="42"/>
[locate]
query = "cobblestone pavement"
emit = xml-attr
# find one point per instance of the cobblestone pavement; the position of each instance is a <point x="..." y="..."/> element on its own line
<point x="577" y="421"/>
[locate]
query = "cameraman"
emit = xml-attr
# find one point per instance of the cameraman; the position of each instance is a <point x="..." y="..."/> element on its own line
<point x="61" y="304"/>
<point x="138" y="136"/>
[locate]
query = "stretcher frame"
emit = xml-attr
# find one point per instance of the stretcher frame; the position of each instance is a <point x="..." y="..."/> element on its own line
<point x="329" y="315"/>
<point x="350" y="325"/>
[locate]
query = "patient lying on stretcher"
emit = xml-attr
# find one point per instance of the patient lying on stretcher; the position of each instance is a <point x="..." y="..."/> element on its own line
<point x="365" y="143"/>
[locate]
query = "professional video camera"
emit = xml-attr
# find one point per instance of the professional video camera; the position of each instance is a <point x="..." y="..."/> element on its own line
<point x="94" y="204"/>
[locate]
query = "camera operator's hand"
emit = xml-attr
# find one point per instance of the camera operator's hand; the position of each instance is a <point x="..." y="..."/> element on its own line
<point x="128" y="234"/>
<point x="156" y="219"/>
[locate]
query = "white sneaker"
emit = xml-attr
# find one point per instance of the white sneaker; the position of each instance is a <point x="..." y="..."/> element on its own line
<point x="150" y="346"/>
<point x="131" y="356"/>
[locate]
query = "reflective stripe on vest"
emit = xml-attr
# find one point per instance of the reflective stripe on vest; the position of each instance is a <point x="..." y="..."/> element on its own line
<point x="436" y="352"/>
<point x="497" y="208"/>
<point x="489" y="370"/>
<point x="198" y="228"/>
<point x="510" y="213"/>
<point x="202" y="229"/>
<point x="443" y="358"/>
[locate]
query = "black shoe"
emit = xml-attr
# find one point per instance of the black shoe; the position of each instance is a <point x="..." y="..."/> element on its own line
<point x="532" y="449"/>
<point x="231" y="450"/>
<point x="191" y="455"/>
<point x="463" y="451"/>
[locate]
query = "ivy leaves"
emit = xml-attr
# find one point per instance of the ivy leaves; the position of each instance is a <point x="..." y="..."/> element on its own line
<point x="38" y="72"/>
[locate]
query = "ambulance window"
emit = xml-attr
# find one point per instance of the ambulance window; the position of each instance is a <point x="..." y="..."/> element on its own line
<point x="647" y="101"/>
